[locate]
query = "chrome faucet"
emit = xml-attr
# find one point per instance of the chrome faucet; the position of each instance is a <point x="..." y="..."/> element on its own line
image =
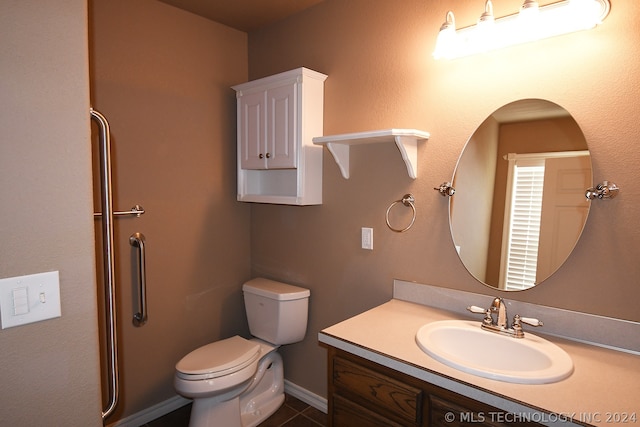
<point x="496" y="320"/>
<point x="500" y="309"/>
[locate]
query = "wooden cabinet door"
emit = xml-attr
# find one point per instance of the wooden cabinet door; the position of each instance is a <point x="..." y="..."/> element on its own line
<point x="363" y="393"/>
<point x="348" y="414"/>
<point x="392" y="399"/>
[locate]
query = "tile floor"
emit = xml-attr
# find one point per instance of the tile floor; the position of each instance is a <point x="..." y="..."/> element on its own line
<point x="293" y="413"/>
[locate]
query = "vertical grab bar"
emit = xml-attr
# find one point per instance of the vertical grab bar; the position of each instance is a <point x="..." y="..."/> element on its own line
<point x="140" y="318"/>
<point x="108" y="258"/>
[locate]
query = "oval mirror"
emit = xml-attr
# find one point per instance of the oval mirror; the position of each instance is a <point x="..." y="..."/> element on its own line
<point x="520" y="206"/>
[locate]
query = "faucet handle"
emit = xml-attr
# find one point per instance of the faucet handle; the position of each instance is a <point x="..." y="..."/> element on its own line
<point x="488" y="320"/>
<point x="517" y="324"/>
<point x="476" y="309"/>
<point x="531" y="321"/>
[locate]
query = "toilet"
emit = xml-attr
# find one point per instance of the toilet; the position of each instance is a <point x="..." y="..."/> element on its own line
<point x="237" y="382"/>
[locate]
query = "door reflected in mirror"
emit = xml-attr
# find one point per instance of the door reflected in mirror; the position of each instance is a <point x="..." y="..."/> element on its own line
<point x="519" y="206"/>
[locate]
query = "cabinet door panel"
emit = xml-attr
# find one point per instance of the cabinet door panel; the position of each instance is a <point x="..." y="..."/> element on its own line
<point x="386" y="394"/>
<point x="282" y="126"/>
<point x="252" y="131"/>
<point x="446" y="413"/>
<point x="348" y="414"/>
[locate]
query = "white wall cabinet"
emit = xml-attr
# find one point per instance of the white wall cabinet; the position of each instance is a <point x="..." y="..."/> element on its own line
<point x="278" y="116"/>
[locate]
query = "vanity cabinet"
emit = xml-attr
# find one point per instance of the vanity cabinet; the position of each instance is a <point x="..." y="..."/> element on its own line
<point x="277" y="118"/>
<point x="363" y="393"/>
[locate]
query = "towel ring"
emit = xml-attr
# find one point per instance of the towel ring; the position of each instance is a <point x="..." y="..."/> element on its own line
<point x="407" y="200"/>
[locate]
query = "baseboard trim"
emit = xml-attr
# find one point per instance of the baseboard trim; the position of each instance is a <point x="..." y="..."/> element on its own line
<point x="152" y="413"/>
<point x="312" y="399"/>
<point x="176" y="402"/>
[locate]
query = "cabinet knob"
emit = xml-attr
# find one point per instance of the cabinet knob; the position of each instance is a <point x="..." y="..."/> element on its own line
<point x="260" y="156"/>
<point x="268" y="155"/>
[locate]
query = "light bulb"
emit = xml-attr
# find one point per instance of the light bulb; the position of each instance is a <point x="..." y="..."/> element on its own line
<point x="585" y="12"/>
<point x="446" y="43"/>
<point x="487" y="18"/>
<point x="528" y="20"/>
<point x="485" y="30"/>
<point x="529" y="8"/>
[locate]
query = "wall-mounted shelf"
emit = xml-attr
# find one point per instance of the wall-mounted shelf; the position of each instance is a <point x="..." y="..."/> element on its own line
<point x="405" y="139"/>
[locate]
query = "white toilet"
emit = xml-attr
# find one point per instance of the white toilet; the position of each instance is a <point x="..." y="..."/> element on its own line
<point x="237" y="382"/>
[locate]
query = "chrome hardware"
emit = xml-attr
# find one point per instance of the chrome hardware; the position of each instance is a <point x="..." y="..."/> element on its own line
<point x="108" y="259"/>
<point x="488" y="320"/>
<point x="137" y="210"/>
<point x="498" y="307"/>
<point x="445" y="189"/>
<point x="499" y="323"/>
<point x="140" y="318"/>
<point x="517" y="324"/>
<point x="407" y="200"/>
<point x="604" y="190"/>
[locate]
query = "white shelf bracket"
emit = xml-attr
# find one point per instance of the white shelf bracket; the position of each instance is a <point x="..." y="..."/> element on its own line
<point x="408" y="146"/>
<point x="340" y="153"/>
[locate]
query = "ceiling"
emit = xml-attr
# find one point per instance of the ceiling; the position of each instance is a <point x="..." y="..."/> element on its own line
<point x="244" y="15"/>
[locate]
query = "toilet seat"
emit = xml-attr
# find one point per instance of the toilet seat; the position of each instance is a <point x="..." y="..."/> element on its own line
<point x="218" y="359"/>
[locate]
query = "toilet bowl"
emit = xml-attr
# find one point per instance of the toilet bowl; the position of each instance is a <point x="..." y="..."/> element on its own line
<point x="217" y="368"/>
<point x="265" y="393"/>
<point x="237" y="382"/>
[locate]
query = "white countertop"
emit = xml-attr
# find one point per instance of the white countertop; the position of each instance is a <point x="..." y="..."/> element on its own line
<point x="604" y="388"/>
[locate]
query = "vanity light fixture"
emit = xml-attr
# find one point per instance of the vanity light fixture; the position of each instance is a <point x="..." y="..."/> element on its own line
<point x="532" y="23"/>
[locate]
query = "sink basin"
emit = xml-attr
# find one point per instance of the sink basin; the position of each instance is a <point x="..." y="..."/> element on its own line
<point x="463" y="345"/>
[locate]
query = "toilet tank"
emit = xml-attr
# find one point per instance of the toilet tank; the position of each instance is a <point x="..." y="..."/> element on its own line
<point x="277" y="312"/>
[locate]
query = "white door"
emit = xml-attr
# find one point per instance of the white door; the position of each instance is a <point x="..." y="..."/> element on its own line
<point x="564" y="210"/>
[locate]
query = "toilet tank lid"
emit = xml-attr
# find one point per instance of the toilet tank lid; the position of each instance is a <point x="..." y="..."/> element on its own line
<point x="275" y="290"/>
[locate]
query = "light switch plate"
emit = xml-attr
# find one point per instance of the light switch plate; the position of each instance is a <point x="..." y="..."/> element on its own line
<point x="367" y="238"/>
<point x="28" y="299"/>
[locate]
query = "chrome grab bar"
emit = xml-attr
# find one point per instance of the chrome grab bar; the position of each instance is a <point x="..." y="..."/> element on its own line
<point x="137" y="210"/>
<point x="140" y="318"/>
<point x="108" y="259"/>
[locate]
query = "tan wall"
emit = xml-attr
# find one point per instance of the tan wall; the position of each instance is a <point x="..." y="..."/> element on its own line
<point x="471" y="215"/>
<point x="163" y="76"/>
<point x="49" y="369"/>
<point x="381" y="75"/>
